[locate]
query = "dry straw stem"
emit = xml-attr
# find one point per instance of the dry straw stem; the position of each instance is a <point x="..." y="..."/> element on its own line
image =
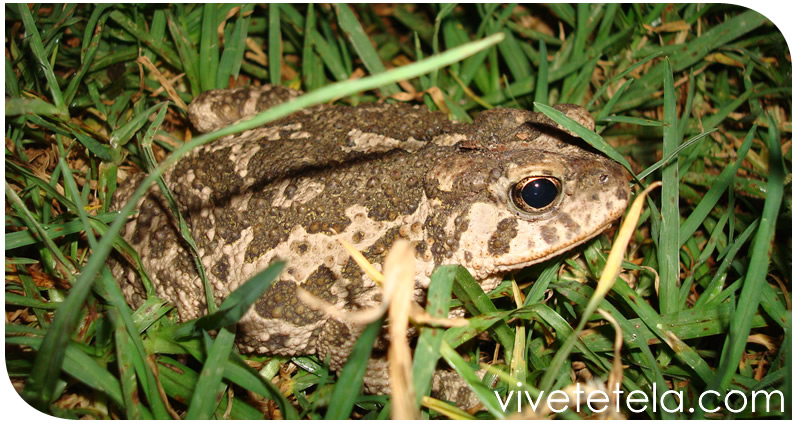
<point x="399" y="268"/>
<point x="361" y="317"/>
<point x="165" y="83"/>
<point x="615" y="376"/>
<point x="614" y="263"/>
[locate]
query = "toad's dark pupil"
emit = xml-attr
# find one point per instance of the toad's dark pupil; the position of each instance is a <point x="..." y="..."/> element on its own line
<point x="539" y="193"/>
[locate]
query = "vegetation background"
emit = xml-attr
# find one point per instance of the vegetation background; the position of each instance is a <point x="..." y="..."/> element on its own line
<point x="697" y="96"/>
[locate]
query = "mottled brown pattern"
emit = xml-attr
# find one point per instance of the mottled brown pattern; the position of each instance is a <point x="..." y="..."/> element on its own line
<point x="370" y="174"/>
<point x="501" y="238"/>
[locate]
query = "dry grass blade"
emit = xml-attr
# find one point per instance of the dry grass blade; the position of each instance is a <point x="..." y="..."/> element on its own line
<point x="165" y="83"/>
<point x="614" y="262"/>
<point x="365" y="316"/>
<point x="362" y="261"/>
<point x="361" y="317"/>
<point x="420" y="317"/>
<point x="615" y="376"/>
<point x="451" y="411"/>
<point x="399" y="268"/>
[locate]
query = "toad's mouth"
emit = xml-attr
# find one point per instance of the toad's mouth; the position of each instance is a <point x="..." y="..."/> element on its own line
<point x="518" y="262"/>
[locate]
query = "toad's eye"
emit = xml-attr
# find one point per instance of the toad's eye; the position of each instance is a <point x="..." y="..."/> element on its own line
<point x="535" y="193"/>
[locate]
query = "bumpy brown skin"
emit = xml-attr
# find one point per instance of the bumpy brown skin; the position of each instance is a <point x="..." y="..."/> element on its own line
<point x="370" y="174"/>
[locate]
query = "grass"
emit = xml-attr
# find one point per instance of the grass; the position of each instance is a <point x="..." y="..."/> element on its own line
<point x="696" y="96"/>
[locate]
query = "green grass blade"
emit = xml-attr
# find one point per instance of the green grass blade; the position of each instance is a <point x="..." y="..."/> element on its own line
<point x="208" y="390"/>
<point x="179" y="380"/>
<point x="187" y="52"/>
<point x="581" y="31"/>
<point x="564" y="333"/>
<point x="122" y="135"/>
<point x="689" y="324"/>
<point x="111" y="292"/>
<point x="30" y="221"/>
<point x="22" y="106"/>
<point x="308" y="49"/>
<point x="539" y="287"/>
<point x="477" y="302"/>
<point x="514" y="57"/>
<point x="414" y="22"/>
<point x="774" y="305"/>
<point x="18" y="300"/>
<point x="542" y="76"/>
<point x="715" y="287"/>
<point x="573" y="93"/>
<point x="666" y="159"/>
<point x="80" y="209"/>
<point x="77" y="364"/>
<point x="91" y="51"/>
<point x="162" y="50"/>
<point x="39" y="390"/>
<point x="330" y="57"/>
<point x="348" y="387"/>
<point x="240" y="300"/>
<point x="609" y="106"/>
<point x="12" y="84"/>
<point x="127" y="372"/>
<point x="714" y="193"/>
<point x="632" y="120"/>
<point x="95" y="147"/>
<point x="457" y="336"/>
<point x="362" y="44"/>
<point x="209" y="48"/>
<point x="233" y="53"/>
<point x="35" y="42"/>
<point x="592" y="138"/>
<point x="240" y="373"/>
<point x="565" y="12"/>
<point x="483" y="393"/>
<point x="275" y="53"/>
<point x="426" y="354"/>
<point x="668" y="241"/>
<point x="748" y="301"/>
<point x="602" y="90"/>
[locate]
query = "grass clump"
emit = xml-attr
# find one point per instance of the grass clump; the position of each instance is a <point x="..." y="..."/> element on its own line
<point x="696" y="96"/>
